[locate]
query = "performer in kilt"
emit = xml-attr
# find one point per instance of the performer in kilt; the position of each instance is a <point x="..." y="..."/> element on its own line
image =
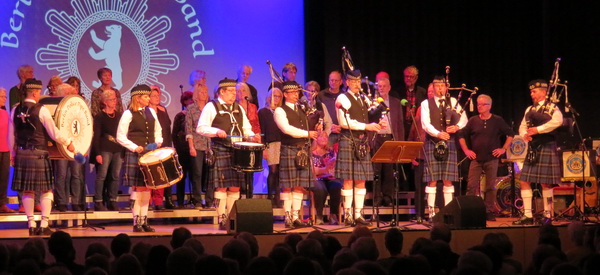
<point x="224" y="121"/>
<point x="352" y="114"/>
<point x="293" y="123"/>
<point x="441" y="120"/>
<point x="139" y="132"/>
<point x="33" y="128"/>
<point x="542" y="164"/>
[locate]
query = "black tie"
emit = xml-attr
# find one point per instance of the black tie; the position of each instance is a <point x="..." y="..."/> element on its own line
<point x="442" y="104"/>
<point x="359" y="100"/>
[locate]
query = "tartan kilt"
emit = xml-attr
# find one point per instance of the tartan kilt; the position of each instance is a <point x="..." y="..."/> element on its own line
<point x="440" y="170"/>
<point x="289" y="175"/>
<point x="273" y="151"/>
<point x="133" y="174"/>
<point x="32" y="171"/>
<point x="363" y="169"/>
<point x="546" y="170"/>
<point x="222" y="174"/>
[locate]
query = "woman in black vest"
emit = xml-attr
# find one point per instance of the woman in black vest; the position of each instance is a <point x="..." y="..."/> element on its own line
<point x="272" y="139"/>
<point x="139" y="132"/>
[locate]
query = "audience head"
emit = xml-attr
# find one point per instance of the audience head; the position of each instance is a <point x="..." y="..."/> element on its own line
<point x="292" y="239"/>
<point x="179" y="236"/>
<point x="211" y="265"/>
<point x="252" y="242"/>
<point x="120" y="245"/>
<point x="181" y="261"/>
<point x="302" y="266"/>
<point x="359" y="231"/>
<point x="365" y="248"/>
<point x="237" y="250"/>
<point x="441" y="231"/>
<point x="61" y="247"/>
<point x="576" y="231"/>
<point x="157" y="260"/>
<point x="127" y="264"/>
<point x="195" y="245"/>
<point x="97" y="248"/>
<point x="310" y="248"/>
<point x="281" y="254"/>
<point x="261" y="266"/>
<point x="140" y="250"/>
<point x="394" y="241"/>
<point x="343" y="259"/>
<point x="369" y="267"/>
<point x="98" y="261"/>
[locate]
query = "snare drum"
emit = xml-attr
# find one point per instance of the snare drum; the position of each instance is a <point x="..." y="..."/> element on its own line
<point x="247" y="156"/>
<point x="161" y="168"/>
<point x="73" y="119"/>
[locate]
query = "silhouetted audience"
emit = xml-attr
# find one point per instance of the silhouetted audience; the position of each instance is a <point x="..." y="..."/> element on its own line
<point x="179" y="236"/>
<point x="157" y="260"/>
<point x="60" y="245"/>
<point x="120" y="245"/>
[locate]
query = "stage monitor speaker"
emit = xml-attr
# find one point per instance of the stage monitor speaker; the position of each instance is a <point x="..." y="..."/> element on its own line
<point x="251" y="215"/>
<point x="463" y="212"/>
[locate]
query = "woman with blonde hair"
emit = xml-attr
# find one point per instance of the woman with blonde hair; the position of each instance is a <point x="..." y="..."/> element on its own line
<point x="197" y="145"/>
<point x="272" y="139"/>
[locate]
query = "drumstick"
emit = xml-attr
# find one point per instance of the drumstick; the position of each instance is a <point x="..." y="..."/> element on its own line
<point x="235" y="136"/>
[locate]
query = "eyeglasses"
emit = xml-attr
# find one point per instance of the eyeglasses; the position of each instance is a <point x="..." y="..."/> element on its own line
<point x="483" y="104"/>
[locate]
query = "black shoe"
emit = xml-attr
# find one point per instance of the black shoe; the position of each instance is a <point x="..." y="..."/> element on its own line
<point x="333" y="220"/>
<point x="44" y="231"/>
<point x="223" y="223"/>
<point x="138" y="228"/>
<point x="490" y="216"/>
<point x="299" y="223"/>
<point x="198" y="205"/>
<point x="61" y="208"/>
<point x="76" y="207"/>
<point x="159" y="207"/>
<point x="319" y="220"/>
<point x="33" y="231"/>
<point x="361" y="221"/>
<point x="348" y="220"/>
<point x="99" y="206"/>
<point x="169" y="204"/>
<point x="147" y="228"/>
<point x="113" y="206"/>
<point x="524" y="221"/>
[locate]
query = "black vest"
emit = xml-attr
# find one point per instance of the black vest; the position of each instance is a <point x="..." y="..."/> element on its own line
<point x="358" y="112"/>
<point x="223" y="121"/>
<point x="296" y="119"/>
<point x="439" y="118"/>
<point x="141" y="129"/>
<point x="539" y="117"/>
<point x="30" y="133"/>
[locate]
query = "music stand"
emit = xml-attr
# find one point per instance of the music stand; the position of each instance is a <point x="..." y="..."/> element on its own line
<point x="396" y="152"/>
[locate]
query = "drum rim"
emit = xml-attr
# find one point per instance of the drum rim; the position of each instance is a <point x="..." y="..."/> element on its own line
<point x="172" y="154"/>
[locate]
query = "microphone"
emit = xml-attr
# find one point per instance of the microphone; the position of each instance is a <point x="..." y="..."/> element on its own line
<point x="381" y="102"/>
<point x="339" y="106"/>
<point x="403" y="102"/>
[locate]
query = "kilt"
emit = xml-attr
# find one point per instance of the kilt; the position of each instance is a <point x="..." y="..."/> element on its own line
<point x="440" y="170"/>
<point x="222" y="174"/>
<point x="546" y="170"/>
<point x="33" y="171"/>
<point x="273" y="151"/>
<point x="363" y="169"/>
<point x="133" y="174"/>
<point x="289" y="175"/>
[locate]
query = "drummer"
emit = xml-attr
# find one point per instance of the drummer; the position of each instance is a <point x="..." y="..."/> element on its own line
<point x="225" y="122"/>
<point x="293" y="123"/>
<point x="33" y="124"/>
<point x="139" y="132"/>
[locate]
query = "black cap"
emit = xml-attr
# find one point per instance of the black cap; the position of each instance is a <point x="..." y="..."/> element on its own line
<point x="141" y="89"/>
<point x="32" y="83"/>
<point x="353" y="75"/>
<point x="226" y="83"/>
<point x="538" y="83"/>
<point x="290" y="85"/>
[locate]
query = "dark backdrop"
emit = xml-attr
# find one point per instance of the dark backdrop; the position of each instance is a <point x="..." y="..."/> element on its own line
<point x="498" y="46"/>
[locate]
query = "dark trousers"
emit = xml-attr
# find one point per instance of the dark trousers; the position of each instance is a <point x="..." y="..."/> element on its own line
<point x="419" y="188"/>
<point x="185" y="160"/>
<point x="384" y="172"/>
<point x="473" y="185"/>
<point x="4" y="173"/>
<point x="323" y="187"/>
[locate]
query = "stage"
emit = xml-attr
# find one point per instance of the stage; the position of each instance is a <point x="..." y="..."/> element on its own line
<point x="524" y="238"/>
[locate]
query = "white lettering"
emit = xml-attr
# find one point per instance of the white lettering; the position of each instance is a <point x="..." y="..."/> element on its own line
<point x="202" y="52"/>
<point x="188" y="15"/>
<point x="189" y="12"/>
<point x="4" y="42"/>
<point x="15" y="27"/>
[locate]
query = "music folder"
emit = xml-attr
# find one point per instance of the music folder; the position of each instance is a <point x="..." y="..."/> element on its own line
<point x="397" y="151"/>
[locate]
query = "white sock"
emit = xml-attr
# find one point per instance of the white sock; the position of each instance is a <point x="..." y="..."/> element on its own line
<point x="46" y="204"/>
<point x="28" y="204"/>
<point x="135" y="208"/>
<point x="286" y="197"/>
<point x="548" y="196"/>
<point x="527" y="196"/>
<point x="359" y="201"/>
<point x="231" y="198"/>
<point x="430" y="191"/>
<point x="347" y="194"/>
<point x="296" y="204"/>
<point x="448" y="194"/>
<point x="221" y="198"/>
<point x="145" y="202"/>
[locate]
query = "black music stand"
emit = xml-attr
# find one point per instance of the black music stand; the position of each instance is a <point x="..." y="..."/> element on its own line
<point x="396" y="152"/>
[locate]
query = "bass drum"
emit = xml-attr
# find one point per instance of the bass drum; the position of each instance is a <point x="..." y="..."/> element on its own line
<point x="73" y="119"/>
<point x="504" y="195"/>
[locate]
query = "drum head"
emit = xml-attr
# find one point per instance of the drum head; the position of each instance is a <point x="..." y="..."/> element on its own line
<point x="73" y="119"/>
<point x="504" y="193"/>
<point x="156" y="155"/>
<point x="249" y="145"/>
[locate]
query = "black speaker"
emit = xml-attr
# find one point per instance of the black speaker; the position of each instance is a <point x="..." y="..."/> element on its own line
<point x="463" y="212"/>
<point x="251" y="215"/>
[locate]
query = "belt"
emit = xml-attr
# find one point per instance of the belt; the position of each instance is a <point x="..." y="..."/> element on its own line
<point x="31" y="147"/>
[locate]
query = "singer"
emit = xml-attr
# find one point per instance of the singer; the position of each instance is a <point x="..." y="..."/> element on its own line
<point x="441" y="123"/>
<point x="483" y="134"/>
<point x="352" y="113"/>
<point x="105" y="77"/>
<point x="542" y="164"/>
<point x="414" y="94"/>
<point x="394" y="118"/>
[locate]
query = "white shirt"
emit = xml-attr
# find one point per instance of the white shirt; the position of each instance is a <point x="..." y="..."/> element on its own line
<point x="426" y="120"/>
<point x="48" y="122"/>
<point x="208" y="115"/>
<point x="123" y="129"/>
<point x="284" y="124"/>
<point x="352" y="124"/>
<point x="555" y="121"/>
